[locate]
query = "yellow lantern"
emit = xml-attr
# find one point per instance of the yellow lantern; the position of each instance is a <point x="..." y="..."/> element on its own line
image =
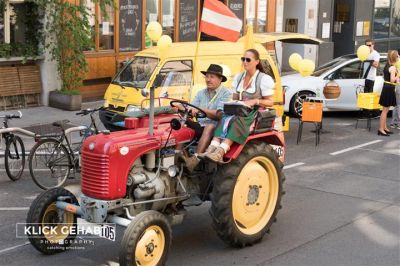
<point x="363" y="52"/>
<point x="294" y="60"/>
<point x="306" y="67"/>
<point x="154" y="30"/>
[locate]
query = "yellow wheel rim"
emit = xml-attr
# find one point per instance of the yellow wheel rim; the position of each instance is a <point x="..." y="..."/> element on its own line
<point x="150" y="247"/>
<point x="61" y="230"/>
<point x="255" y="195"/>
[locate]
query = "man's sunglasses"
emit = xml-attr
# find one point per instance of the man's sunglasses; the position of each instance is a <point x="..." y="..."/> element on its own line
<point x="369" y="45"/>
<point x="247" y="59"/>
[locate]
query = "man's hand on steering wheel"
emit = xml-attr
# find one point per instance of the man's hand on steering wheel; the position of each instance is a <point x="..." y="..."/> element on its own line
<point x="187" y="109"/>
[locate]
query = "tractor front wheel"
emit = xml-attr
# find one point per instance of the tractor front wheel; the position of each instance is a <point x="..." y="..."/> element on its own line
<point x="146" y="241"/>
<point x="246" y="195"/>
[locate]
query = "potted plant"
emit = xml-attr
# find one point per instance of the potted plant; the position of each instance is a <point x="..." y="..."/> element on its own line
<point x="67" y="35"/>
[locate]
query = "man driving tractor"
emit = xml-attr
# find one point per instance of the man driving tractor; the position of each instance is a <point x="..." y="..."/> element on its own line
<point x="211" y="101"/>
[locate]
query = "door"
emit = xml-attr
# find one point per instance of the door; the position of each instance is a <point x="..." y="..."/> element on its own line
<point x="349" y="78"/>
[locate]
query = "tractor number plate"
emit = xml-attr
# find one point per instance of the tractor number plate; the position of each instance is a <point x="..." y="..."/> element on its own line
<point x="108" y="232"/>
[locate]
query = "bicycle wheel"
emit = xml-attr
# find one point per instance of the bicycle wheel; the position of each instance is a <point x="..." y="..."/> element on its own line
<point x="14" y="158"/>
<point x="49" y="164"/>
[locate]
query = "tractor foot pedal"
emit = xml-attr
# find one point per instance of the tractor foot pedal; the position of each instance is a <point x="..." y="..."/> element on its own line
<point x="194" y="200"/>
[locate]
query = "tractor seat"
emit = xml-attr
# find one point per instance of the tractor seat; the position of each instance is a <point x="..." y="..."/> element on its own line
<point x="264" y="121"/>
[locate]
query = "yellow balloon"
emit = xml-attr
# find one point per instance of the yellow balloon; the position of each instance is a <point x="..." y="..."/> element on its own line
<point x="294" y="60"/>
<point x="363" y="52"/>
<point x="164" y="43"/>
<point x="154" y="30"/>
<point x="306" y="67"/>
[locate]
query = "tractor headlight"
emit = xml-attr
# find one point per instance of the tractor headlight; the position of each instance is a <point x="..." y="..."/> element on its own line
<point x="132" y="108"/>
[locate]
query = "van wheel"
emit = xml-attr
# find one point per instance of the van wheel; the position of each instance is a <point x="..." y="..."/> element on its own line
<point x="296" y="104"/>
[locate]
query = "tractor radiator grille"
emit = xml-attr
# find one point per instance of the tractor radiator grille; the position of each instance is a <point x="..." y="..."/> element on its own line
<point x="95" y="175"/>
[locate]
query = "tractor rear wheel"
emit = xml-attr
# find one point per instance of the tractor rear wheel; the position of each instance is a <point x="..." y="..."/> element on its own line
<point x="44" y="214"/>
<point x="146" y="241"/>
<point x="246" y="195"/>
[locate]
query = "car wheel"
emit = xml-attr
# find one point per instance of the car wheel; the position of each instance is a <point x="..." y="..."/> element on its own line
<point x="296" y="104"/>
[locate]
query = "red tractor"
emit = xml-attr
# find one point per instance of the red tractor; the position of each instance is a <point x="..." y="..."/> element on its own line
<point x="134" y="178"/>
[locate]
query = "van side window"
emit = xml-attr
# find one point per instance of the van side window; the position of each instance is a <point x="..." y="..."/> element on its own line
<point x="268" y="69"/>
<point x="177" y="73"/>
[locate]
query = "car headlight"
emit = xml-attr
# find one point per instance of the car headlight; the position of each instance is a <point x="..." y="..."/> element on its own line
<point x="132" y="108"/>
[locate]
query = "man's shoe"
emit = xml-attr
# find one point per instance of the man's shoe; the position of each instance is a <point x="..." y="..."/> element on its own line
<point x="194" y="200"/>
<point x="191" y="162"/>
<point x="210" y="149"/>
<point x="217" y="156"/>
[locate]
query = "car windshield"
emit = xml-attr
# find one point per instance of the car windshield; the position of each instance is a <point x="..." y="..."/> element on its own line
<point x="137" y="72"/>
<point x="331" y="64"/>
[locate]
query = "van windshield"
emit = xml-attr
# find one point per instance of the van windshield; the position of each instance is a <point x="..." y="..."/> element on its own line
<point x="137" y="72"/>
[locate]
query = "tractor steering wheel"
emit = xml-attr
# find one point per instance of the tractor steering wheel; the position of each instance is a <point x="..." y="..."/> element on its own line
<point x="186" y="111"/>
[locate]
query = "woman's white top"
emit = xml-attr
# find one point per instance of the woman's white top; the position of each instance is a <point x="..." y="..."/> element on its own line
<point x="267" y="84"/>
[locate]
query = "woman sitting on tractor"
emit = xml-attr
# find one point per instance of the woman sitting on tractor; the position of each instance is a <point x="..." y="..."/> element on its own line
<point x="255" y="89"/>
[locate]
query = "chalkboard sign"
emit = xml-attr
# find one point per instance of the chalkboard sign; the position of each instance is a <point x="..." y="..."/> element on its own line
<point x="130" y="25"/>
<point x="188" y="20"/>
<point x="237" y="7"/>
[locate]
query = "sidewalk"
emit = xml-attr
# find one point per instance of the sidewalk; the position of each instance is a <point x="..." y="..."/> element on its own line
<point x="47" y="115"/>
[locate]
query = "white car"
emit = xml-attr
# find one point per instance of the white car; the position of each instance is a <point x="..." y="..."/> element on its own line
<point x="346" y="71"/>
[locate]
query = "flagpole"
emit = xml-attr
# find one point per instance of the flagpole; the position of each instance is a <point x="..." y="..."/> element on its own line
<point x="195" y="61"/>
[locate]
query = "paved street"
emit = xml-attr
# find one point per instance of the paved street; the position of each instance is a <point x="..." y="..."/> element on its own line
<point x="342" y="207"/>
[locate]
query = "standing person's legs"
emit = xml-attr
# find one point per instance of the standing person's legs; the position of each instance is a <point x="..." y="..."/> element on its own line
<point x="382" y="120"/>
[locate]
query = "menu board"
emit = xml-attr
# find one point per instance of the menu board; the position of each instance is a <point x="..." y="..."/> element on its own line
<point x="130" y="25"/>
<point x="188" y="20"/>
<point x="237" y="7"/>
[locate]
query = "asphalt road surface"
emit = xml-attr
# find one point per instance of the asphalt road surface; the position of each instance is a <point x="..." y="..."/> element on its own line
<point x="342" y="207"/>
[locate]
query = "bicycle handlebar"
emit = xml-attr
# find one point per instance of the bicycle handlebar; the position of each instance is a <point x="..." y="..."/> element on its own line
<point x="88" y="111"/>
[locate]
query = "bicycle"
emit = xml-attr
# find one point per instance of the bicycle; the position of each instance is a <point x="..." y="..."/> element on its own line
<point x="14" y="153"/>
<point x="52" y="157"/>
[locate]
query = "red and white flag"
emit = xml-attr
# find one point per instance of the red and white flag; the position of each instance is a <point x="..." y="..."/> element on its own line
<point x="219" y="21"/>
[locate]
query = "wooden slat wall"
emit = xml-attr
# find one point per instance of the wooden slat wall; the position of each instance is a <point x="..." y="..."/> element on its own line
<point x="30" y="81"/>
<point x="9" y="82"/>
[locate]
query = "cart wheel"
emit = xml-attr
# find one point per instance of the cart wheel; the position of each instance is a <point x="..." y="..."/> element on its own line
<point x="146" y="241"/>
<point x="43" y="212"/>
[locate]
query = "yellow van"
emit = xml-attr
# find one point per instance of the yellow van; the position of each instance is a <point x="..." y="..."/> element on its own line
<point x="129" y="89"/>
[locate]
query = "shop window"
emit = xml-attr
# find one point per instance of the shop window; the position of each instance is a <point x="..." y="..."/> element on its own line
<point x="168" y="14"/>
<point x="251" y="12"/>
<point x="91" y="10"/>
<point x="382" y="46"/>
<point x="2" y="27"/>
<point x="381" y="19"/>
<point x="395" y="24"/>
<point x="261" y="15"/>
<point x="106" y="28"/>
<point x="101" y="26"/>
<point x="395" y="45"/>
<point x="19" y="24"/>
<point x="151" y="11"/>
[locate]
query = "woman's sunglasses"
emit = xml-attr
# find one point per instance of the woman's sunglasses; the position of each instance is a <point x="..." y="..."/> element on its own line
<point x="247" y="59"/>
